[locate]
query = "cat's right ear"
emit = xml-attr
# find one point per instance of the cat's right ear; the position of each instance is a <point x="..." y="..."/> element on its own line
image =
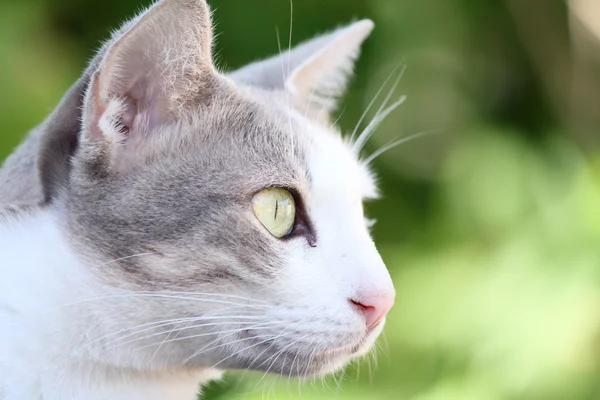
<point x="315" y="73"/>
<point x="157" y="67"/>
<point x="152" y="69"/>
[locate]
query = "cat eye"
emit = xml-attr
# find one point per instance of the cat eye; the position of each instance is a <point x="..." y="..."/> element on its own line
<point x="275" y="208"/>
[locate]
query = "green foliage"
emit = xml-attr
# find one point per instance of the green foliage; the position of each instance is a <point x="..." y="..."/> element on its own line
<point x="491" y="229"/>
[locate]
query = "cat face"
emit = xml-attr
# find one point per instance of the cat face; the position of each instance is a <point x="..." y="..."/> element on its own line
<point x="161" y="202"/>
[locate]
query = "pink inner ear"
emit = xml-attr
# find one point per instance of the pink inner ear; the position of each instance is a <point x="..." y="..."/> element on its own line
<point x="147" y="105"/>
<point x="134" y="110"/>
<point x="151" y="70"/>
<point x="143" y="106"/>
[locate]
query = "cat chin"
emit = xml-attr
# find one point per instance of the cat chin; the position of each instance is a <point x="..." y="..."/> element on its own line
<point x="304" y="364"/>
<point x="296" y="365"/>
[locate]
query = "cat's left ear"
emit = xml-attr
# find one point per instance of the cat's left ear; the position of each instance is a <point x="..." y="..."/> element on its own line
<point x="316" y="72"/>
<point x="154" y="68"/>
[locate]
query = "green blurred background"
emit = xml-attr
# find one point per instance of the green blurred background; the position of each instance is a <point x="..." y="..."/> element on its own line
<point x="491" y="228"/>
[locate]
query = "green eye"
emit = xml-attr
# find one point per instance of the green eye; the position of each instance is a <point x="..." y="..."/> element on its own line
<point x="276" y="210"/>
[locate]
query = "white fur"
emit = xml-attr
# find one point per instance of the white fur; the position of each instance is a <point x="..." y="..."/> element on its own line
<point x="42" y="355"/>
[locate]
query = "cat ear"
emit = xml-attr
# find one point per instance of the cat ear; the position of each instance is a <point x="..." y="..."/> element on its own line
<point x="315" y="72"/>
<point x="153" y="69"/>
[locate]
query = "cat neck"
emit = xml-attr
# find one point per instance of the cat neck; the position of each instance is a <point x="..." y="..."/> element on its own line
<point x="45" y="354"/>
<point x="95" y="382"/>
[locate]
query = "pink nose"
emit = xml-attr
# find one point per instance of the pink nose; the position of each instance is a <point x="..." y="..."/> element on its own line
<point x="374" y="306"/>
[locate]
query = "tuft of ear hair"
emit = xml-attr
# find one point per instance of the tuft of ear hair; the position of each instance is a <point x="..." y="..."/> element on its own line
<point x="152" y="70"/>
<point x="315" y="73"/>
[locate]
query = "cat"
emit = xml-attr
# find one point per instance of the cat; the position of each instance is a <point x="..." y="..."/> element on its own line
<point x="168" y="222"/>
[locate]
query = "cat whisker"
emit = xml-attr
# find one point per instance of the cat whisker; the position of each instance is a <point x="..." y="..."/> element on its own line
<point x="280" y="54"/>
<point x="394" y="144"/>
<point x="220" y="294"/>
<point x="272" y="389"/>
<point x="159" y="324"/>
<point x="151" y="325"/>
<point x="221" y="335"/>
<point x="392" y="90"/>
<point x="372" y="126"/>
<point x="169" y="295"/>
<point x="120" y="341"/>
<point x="166" y="296"/>
<point x="358" y="364"/>
<point x="208" y="348"/>
<point x="310" y="359"/>
<point x="125" y="258"/>
<point x="299" y="387"/>
<point x="291" y="367"/>
<point x="135" y="330"/>
<point x="290" y="37"/>
<point x="383" y="338"/>
<point x="262" y="352"/>
<point x="342" y="376"/>
<point x="242" y="377"/>
<point x="278" y="354"/>
<point x="267" y="371"/>
<point x="385" y="347"/>
<point x="269" y="337"/>
<point x="325" y="385"/>
<point x="381" y="114"/>
<point x="284" y="81"/>
<point x="176" y="329"/>
<point x="339" y="117"/>
<point x="369" y="368"/>
<point x="372" y="102"/>
<point x="373" y="352"/>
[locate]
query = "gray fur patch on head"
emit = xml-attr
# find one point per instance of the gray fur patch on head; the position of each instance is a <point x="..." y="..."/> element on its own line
<point x="189" y="197"/>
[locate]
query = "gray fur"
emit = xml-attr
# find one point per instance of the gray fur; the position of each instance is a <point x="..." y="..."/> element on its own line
<point x="19" y="177"/>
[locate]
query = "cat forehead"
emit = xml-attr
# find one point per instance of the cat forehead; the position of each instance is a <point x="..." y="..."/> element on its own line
<point x="252" y="137"/>
<point x="262" y="127"/>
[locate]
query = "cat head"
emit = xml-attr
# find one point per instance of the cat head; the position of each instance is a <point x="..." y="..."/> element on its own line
<point x="224" y="211"/>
